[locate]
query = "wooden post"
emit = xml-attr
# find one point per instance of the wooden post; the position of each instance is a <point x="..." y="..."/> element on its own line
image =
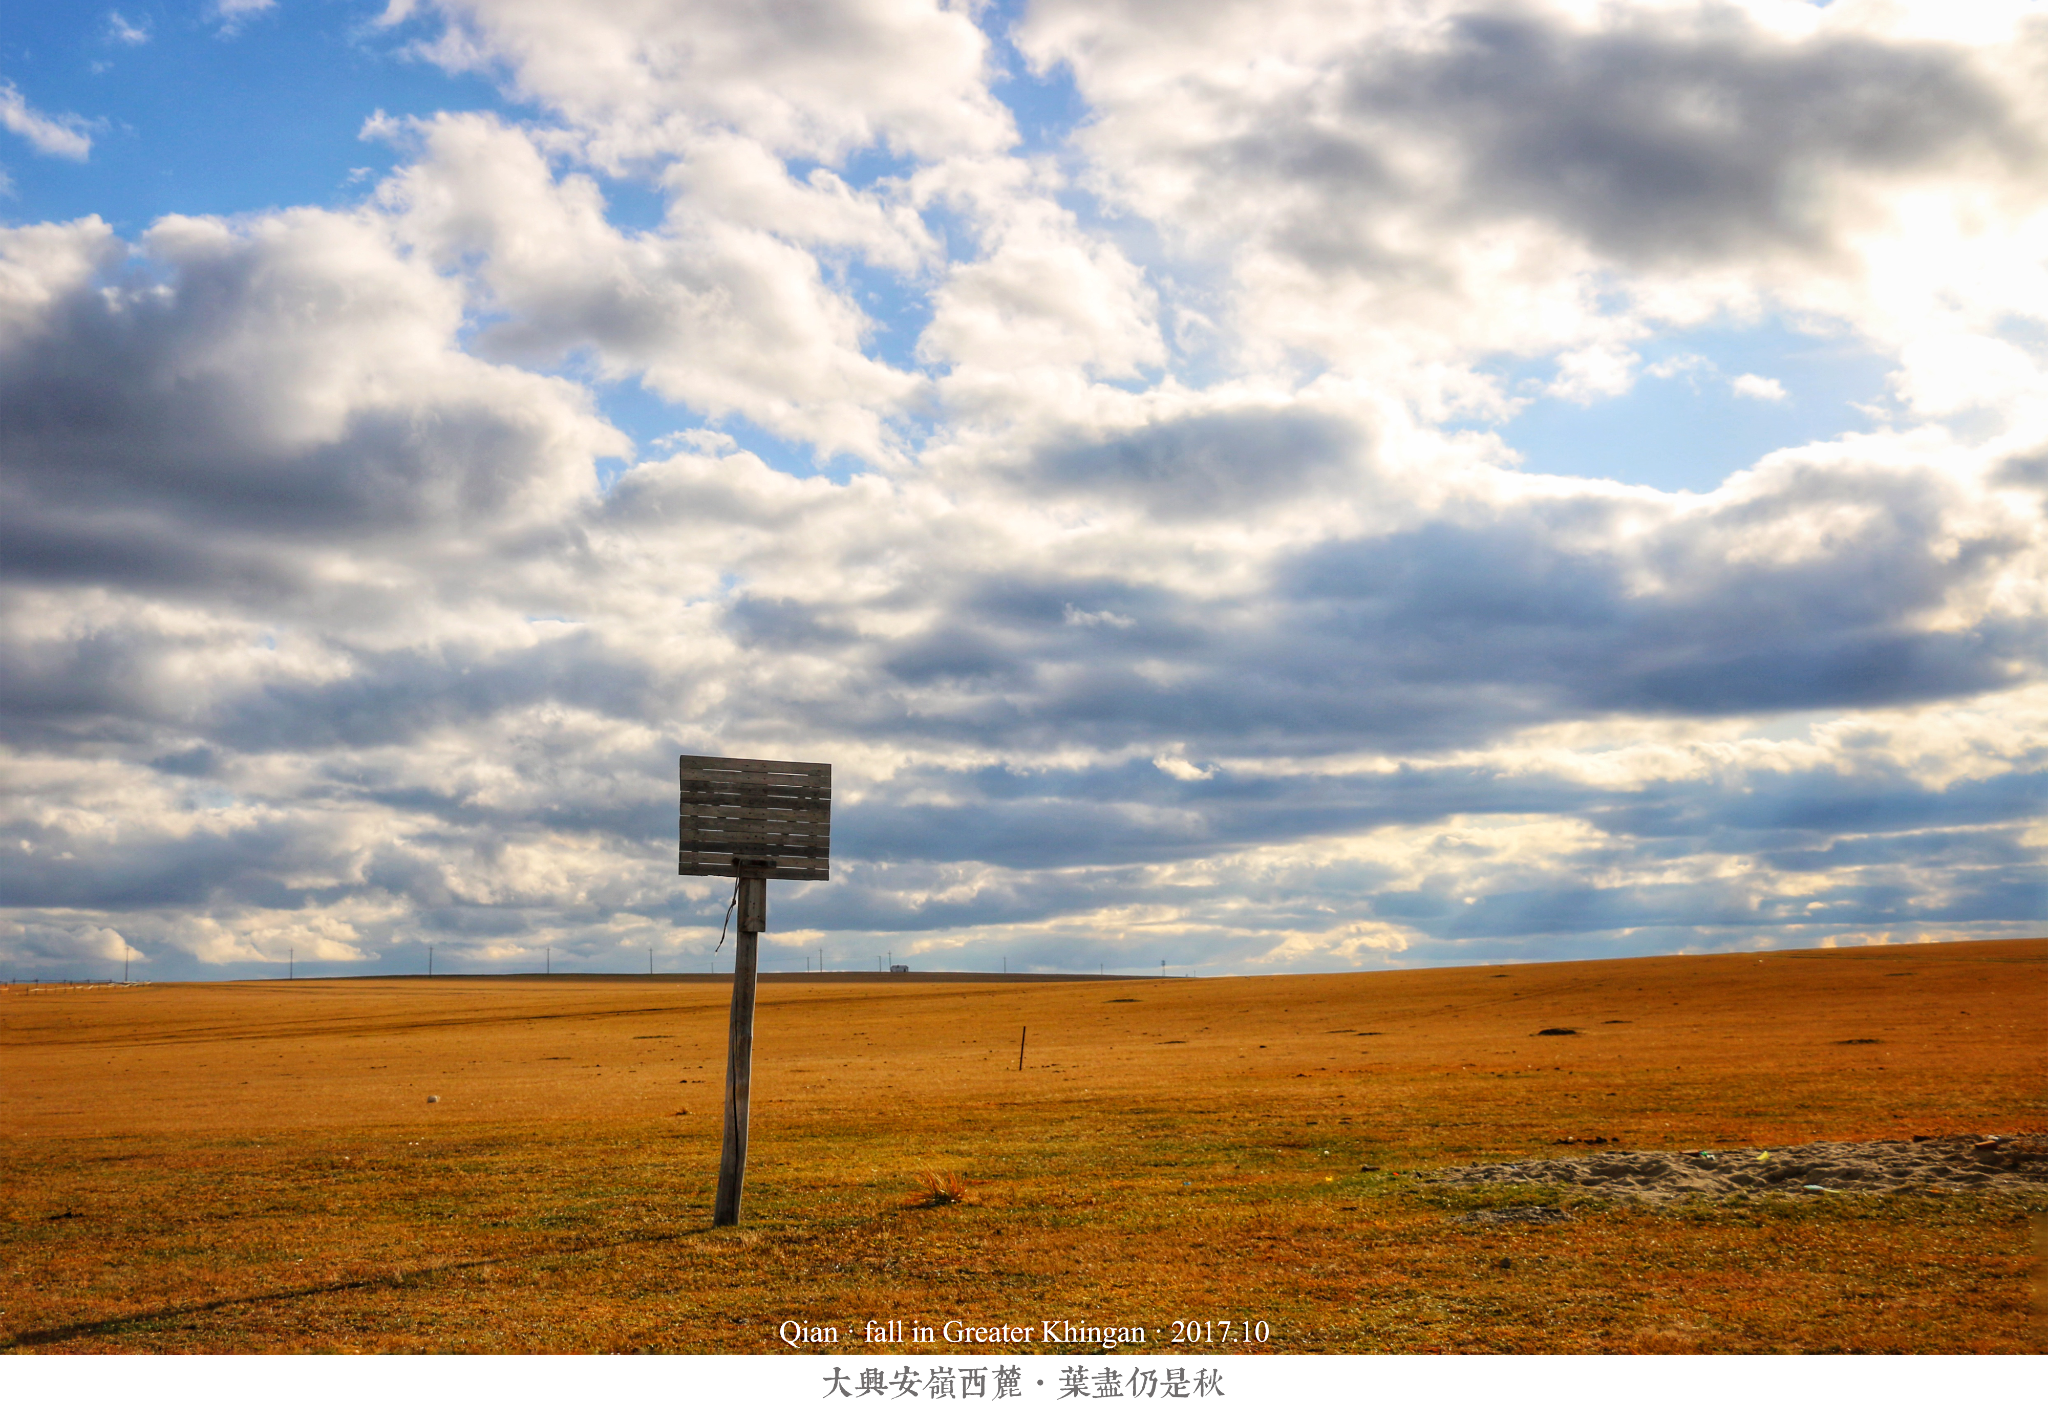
<point x="739" y="1055"/>
<point x="1022" y="1033"/>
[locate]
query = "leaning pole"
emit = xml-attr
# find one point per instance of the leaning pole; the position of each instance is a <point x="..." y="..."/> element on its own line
<point x="752" y="905"/>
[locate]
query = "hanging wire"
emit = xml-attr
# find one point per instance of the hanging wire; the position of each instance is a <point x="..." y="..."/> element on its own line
<point x="728" y="914"/>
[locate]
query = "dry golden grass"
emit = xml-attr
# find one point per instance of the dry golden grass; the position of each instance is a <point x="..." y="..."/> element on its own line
<point x="939" y="1187"/>
<point x="256" y="1167"/>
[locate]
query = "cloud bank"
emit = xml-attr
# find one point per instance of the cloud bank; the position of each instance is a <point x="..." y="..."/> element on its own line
<point x="1130" y="513"/>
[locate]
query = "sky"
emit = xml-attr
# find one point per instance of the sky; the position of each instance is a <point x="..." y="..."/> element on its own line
<point x="1259" y="487"/>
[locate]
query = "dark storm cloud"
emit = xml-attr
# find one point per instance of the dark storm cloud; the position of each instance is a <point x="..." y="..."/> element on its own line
<point x="1476" y="624"/>
<point x="1657" y="138"/>
<point x="608" y="800"/>
<point x="400" y="696"/>
<point x="785" y="624"/>
<point x="1202" y="466"/>
<point x="1083" y="841"/>
<point x="133" y="684"/>
<point x="1814" y="853"/>
<point x="1135" y="613"/>
<point x="247" y="865"/>
<point x="1555" y="630"/>
<point x="1792" y="808"/>
<point x="100" y="545"/>
<point x="265" y="394"/>
<point x="2027" y="470"/>
<point x="1137" y="814"/>
<point x="1999" y="895"/>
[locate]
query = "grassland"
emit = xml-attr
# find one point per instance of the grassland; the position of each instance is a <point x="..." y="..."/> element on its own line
<point x="256" y="1167"/>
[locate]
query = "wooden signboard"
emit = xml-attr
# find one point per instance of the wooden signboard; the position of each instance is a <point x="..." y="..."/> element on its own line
<point x="755" y="819"/>
<point x="750" y="820"/>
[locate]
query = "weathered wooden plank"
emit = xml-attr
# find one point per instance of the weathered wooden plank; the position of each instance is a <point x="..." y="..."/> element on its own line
<point x="806" y="855"/>
<point x="819" y="845"/>
<point x="722" y="865"/>
<point x="707" y="785"/>
<point x="715" y="840"/>
<point x="754" y="789"/>
<point x="696" y="833"/>
<point x="693" y="829"/>
<point x="722" y="862"/>
<point x="750" y="829"/>
<point x="773" y="785"/>
<point x="720" y="836"/>
<point x="817" y="771"/>
<point x="740" y="765"/>
<point x="792" y="813"/>
<point x="771" y="866"/>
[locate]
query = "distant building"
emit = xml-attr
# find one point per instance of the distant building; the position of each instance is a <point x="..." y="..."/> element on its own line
<point x="899" y="967"/>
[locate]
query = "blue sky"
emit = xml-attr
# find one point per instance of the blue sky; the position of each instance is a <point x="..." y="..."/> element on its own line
<point x="1303" y="488"/>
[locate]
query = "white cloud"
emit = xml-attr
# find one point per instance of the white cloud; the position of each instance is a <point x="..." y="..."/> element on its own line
<point x="122" y="30"/>
<point x="1075" y="617"/>
<point x="1045" y="295"/>
<point x="1596" y="373"/>
<point x="62" y="942"/>
<point x="721" y="316"/>
<point x="64" y="137"/>
<point x="1180" y="768"/>
<point x="1758" y="387"/>
<point x="1944" y="373"/>
<point x="231" y="15"/>
<point x="643" y="80"/>
<point x="1685" y="364"/>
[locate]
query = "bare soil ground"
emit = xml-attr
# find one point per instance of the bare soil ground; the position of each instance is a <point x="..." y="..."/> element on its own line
<point x="258" y="1167"/>
<point x="1930" y="1164"/>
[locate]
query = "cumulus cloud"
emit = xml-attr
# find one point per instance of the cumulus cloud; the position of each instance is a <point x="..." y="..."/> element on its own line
<point x="1524" y="177"/>
<point x="720" y="316"/>
<point x="290" y="406"/>
<point x="1045" y="295"/>
<point x="805" y="78"/>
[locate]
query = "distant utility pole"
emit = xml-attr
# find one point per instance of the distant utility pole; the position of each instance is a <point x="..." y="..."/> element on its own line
<point x="1162" y="967"/>
<point x="127" y="952"/>
<point x="291" y="962"/>
<point x="430" y="960"/>
<point x="650" y="962"/>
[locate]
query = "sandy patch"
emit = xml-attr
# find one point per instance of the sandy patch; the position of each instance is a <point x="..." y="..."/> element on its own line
<point x="1871" y="1167"/>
